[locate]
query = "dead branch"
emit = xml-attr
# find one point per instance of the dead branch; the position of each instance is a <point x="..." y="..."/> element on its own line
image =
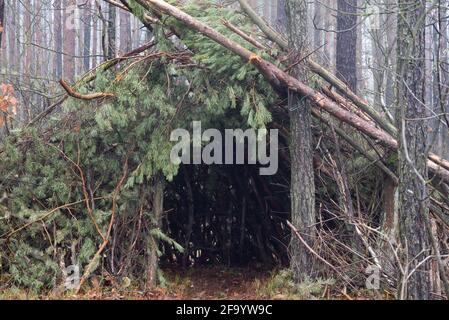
<point x="91" y="96"/>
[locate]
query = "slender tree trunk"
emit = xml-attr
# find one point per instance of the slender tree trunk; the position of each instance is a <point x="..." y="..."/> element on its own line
<point x="281" y="19"/>
<point x="391" y="24"/>
<point x="329" y="37"/>
<point x="57" y="31"/>
<point x="413" y="195"/>
<point x="125" y="32"/>
<point x="111" y="33"/>
<point x="302" y="177"/>
<point x="95" y="37"/>
<point x="69" y="40"/>
<point x="318" y="24"/>
<point x="2" y="22"/>
<point x="14" y="35"/>
<point x="347" y="42"/>
<point x="38" y="53"/>
<point x="87" y="20"/>
<point x="28" y="38"/>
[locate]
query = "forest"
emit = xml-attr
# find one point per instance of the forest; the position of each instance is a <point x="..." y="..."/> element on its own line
<point x="224" y="149"/>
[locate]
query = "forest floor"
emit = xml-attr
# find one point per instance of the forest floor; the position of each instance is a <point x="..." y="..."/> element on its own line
<point x="200" y="283"/>
<point x="215" y="283"/>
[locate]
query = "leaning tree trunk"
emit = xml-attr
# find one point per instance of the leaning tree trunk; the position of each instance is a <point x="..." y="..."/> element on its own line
<point x="413" y="131"/>
<point x="301" y="150"/>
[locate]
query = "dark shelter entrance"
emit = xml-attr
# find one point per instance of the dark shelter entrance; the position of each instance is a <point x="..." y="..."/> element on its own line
<point x="227" y="215"/>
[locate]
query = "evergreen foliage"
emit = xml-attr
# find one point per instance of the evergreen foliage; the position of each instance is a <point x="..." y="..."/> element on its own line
<point x="56" y="176"/>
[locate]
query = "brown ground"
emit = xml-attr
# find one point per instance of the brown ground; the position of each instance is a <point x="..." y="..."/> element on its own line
<point x="200" y="283"/>
<point x="216" y="283"/>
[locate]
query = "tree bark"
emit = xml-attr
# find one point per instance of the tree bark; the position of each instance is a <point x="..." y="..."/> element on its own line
<point x="111" y="33"/>
<point x="13" y="42"/>
<point x="347" y="42"/>
<point x="301" y="149"/>
<point x="69" y="40"/>
<point x="413" y="153"/>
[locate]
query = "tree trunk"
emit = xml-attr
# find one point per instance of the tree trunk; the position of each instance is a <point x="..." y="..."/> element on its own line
<point x="281" y="19"/>
<point x="69" y="40"/>
<point x="347" y="42"/>
<point x="57" y="31"/>
<point x="413" y="195"/>
<point x="2" y="21"/>
<point x="329" y="36"/>
<point x="13" y="39"/>
<point x="125" y="32"/>
<point x="87" y="19"/>
<point x="318" y="26"/>
<point x="111" y="32"/>
<point x="95" y="37"/>
<point x="27" y="63"/>
<point x="301" y="150"/>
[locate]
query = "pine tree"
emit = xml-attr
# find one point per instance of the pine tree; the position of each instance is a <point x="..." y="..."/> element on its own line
<point x="301" y="149"/>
